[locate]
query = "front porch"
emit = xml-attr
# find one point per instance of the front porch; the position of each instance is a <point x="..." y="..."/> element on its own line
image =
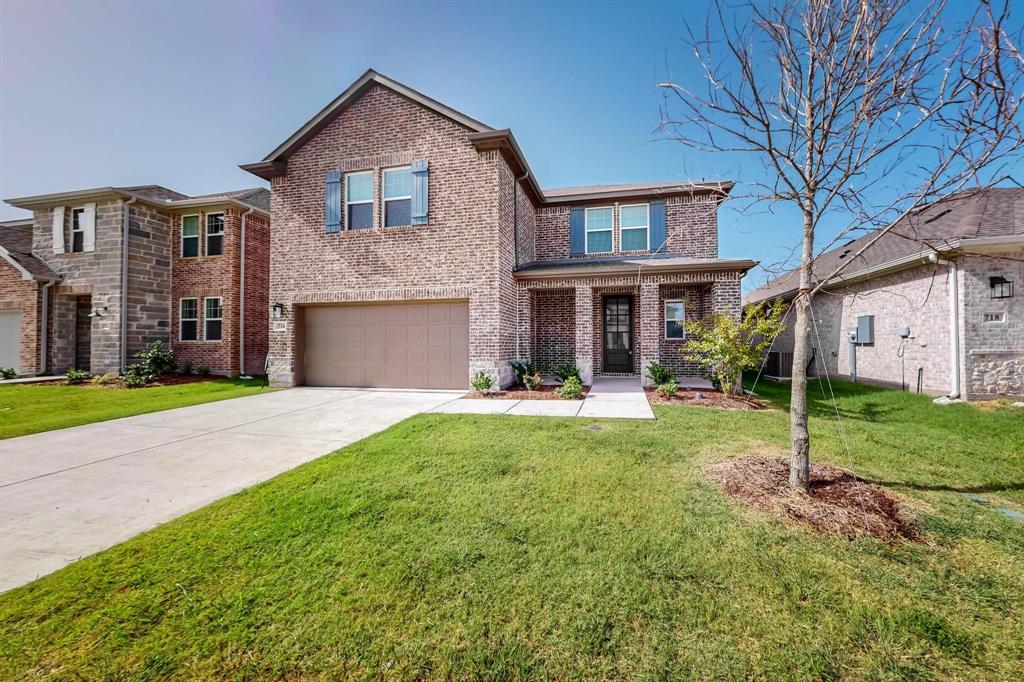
<point x="618" y="326"/>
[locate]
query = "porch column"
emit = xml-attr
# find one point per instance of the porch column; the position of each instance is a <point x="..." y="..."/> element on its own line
<point x="725" y="297"/>
<point x="651" y="330"/>
<point x="524" y="324"/>
<point x="585" y="333"/>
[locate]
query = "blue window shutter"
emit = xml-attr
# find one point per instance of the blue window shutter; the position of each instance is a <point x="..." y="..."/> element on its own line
<point x="658" y="225"/>
<point x="420" y="192"/>
<point x="577" y="227"/>
<point x="332" y="202"/>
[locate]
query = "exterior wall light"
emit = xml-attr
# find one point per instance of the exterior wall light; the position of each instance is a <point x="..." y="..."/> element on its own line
<point x="277" y="311"/>
<point x="1001" y="287"/>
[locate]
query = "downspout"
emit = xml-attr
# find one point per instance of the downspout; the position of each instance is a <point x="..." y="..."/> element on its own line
<point x="44" y="330"/>
<point x="241" y="301"/>
<point x="124" y="282"/>
<point x="954" y="324"/>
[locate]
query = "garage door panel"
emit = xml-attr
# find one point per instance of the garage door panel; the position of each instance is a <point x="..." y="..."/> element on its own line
<point x="10" y="338"/>
<point x="402" y="345"/>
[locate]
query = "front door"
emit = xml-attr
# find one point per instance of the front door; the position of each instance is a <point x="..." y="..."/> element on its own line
<point x="618" y="334"/>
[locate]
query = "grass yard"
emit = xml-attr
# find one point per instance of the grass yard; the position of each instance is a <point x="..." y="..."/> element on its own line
<point x="501" y="547"/>
<point x="32" y="408"/>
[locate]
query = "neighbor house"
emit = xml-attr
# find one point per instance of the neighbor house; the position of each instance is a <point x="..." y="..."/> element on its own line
<point x="97" y="274"/>
<point x="935" y="303"/>
<point x="413" y="247"/>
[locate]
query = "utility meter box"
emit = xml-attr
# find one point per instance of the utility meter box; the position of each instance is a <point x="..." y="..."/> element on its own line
<point x="904" y="332"/>
<point x="866" y="329"/>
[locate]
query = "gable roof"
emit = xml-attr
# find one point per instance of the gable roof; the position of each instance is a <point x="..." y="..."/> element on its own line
<point x="952" y="223"/>
<point x="16" y="249"/>
<point x="272" y="163"/>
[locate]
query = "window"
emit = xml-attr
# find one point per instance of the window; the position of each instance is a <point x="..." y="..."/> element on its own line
<point x="398" y="197"/>
<point x="359" y="200"/>
<point x="189" y="236"/>
<point x="675" y="318"/>
<point x="188" y="323"/>
<point x="598" y="223"/>
<point x="633" y="224"/>
<point x="77" y="230"/>
<point x="212" y="319"/>
<point x="214" y="234"/>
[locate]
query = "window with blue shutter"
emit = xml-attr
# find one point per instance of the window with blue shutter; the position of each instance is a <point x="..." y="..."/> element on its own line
<point x="658" y="225"/>
<point x="332" y="202"/>
<point x="577" y="228"/>
<point x="420" y="192"/>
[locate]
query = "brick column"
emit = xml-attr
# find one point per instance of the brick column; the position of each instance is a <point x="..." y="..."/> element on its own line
<point x="585" y="333"/>
<point x="650" y="329"/>
<point x="725" y="298"/>
<point x="524" y="324"/>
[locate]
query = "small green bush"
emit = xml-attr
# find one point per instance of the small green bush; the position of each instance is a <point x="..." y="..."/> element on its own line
<point x="566" y="370"/>
<point x="134" y="380"/>
<point x="669" y="388"/>
<point x="660" y="374"/>
<point x="202" y="369"/>
<point x="157" y="359"/>
<point x="522" y="368"/>
<point x="481" y="381"/>
<point x="104" y="379"/>
<point x="8" y="372"/>
<point x="76" y="376"/>
<point x="137" y="375"/>
<point x="186" y="368"/>
<point x="532" y="381"/>
<point x="571" y="389"/>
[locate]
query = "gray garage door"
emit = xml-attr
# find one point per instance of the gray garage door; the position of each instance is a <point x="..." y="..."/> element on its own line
<point x="397" y="345"/>
<point x="10" y="338"/>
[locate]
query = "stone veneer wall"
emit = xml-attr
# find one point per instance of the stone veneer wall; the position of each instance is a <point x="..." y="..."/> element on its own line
<point x="149" y="278"/>
<point x="993" y="363"/>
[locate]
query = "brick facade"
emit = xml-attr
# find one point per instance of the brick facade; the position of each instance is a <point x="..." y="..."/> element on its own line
<point x="22" y="295"/>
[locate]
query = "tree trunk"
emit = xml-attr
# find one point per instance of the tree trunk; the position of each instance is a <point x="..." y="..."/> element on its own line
<point x="800" y="439"/>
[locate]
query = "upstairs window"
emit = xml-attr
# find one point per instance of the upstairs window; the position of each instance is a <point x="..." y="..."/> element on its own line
<point x="598" y="227"/>
<point x="188" y="320"/>
<point x="359" y="200"/>
<point x="634" y="222"/>
<point x="398" y="196"/>
<point x="212" y="319"/>
<point x="675" y="319"/>
<point x="77" y="230"/>
<point x="189" y="236"/>
<point x="214" y="234"/>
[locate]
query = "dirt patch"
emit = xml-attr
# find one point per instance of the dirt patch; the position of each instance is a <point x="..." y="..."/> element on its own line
<point x="838" y="501"/>
<point x="706" y="399"/>
<point x="520" y="393"/>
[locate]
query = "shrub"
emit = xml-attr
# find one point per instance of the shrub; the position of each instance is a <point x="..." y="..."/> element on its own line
<point x="76" y="376"/>
<point x="8" y="372"/>
<point x="481" y="381"/>
<point x="104" y="379"/>
<point x="669" y="388"/>
<point x="532" y="380"/>
<point x="202" y="369"/>
<point x="522" y="368"/>
<point x="158" y="360"/>
<point x="660" y="374"/>
<point x="186" y="368"/>
<point x="571" y="389"/>
<point x="727" y="346"/>
<point x="138" y="375"/>
<point x="566" y="370"/>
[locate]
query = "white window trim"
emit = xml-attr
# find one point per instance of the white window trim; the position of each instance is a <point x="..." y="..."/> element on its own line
<point x="206" y="319"/>
<point x="182" y="318"/>
<point x="356" y="203"/>
<point x="206" y="233"/>
<point x="646" y="227"/>
<point x="198" y="236"/>
<point x="587" y="230"/>
<point x="665" y="319"/>
<point x="81" y="211"/>
<point x="386" y="199"/>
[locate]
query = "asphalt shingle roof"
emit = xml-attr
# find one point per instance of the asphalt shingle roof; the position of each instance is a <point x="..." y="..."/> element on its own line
<point x="17" y="239"/>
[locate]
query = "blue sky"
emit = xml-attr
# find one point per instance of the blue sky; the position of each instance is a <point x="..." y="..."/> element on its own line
<point x="179" y="94"/>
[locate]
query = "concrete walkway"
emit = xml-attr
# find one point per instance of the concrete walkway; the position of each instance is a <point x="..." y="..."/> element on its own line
<point x="613" y="397"/>
<point x="72" y="492"/>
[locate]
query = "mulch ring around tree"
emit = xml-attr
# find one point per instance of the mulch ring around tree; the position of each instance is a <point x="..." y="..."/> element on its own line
<point x="706" y="399"/>
<point x="838" y="502"/>
<point x="518" y="392"/>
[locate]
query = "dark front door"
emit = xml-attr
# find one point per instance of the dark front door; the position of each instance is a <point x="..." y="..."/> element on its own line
<point x="618" y="334"/>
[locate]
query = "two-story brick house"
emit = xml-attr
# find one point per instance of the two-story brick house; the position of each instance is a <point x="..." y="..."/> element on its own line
<point x="412" y="247"/>
<point x="97" y="274"/>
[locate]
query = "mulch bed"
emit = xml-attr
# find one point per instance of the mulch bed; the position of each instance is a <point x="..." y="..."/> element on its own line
<point x="520" y="393"/>
<point x="163" y="380"/>
<point x="706" y="399"/>
<point x="838" y="502"/>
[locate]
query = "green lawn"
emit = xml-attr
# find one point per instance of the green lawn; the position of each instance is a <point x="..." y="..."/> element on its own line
<point x="516" y="547"/>
<point x="31" y="408"/>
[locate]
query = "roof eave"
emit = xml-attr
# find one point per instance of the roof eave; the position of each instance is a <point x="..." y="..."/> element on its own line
<point x="41" y="200"/>
<point x="25" y="274"/>
<point x="505" y="142"/>
<point x="268" y="170"/>
<point x="212" y="201"/>
<point x="722" y="188"/>
<point x="632" y="269"/>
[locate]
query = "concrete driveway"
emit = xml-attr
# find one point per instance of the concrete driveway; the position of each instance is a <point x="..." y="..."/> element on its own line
<point x="69" y="493"/>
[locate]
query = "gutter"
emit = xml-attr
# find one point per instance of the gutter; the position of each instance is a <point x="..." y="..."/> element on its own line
<point x="124" y="281"/>
<point x="241" y="300"/>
